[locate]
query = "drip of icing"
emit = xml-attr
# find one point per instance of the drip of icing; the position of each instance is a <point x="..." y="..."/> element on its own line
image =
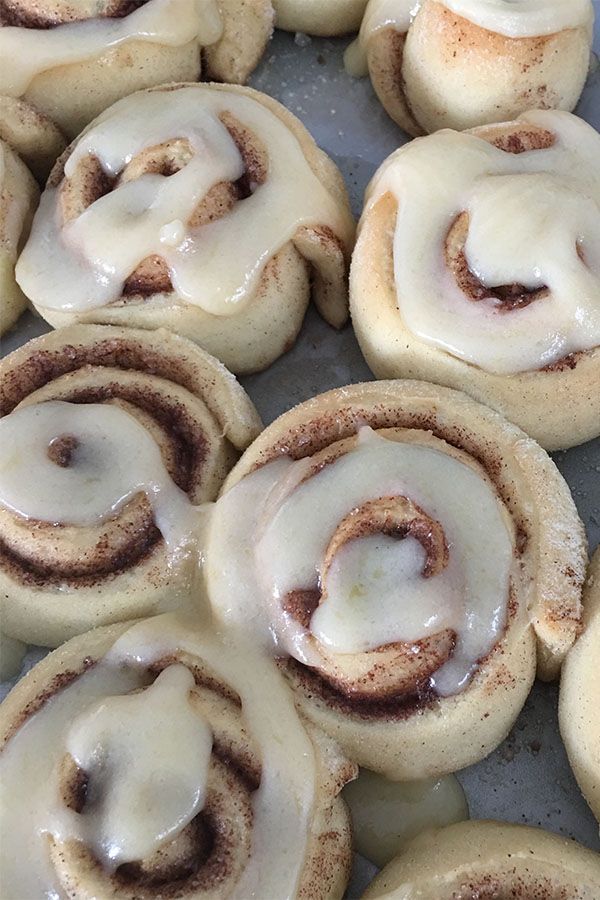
<point x="12" y="653"/>
<point x="140" y="806"/>
<point x="94" y="254"/>
<point x="26" y="52"/>
<point x="114" y="458"/>
<point x="386" y="815"/>
<point x="283" y="804"/>
<point x="28" y="782"/>
<point x="260" y="549"/>
<point x="92" y="719"/>
<point x="509" y="198"/>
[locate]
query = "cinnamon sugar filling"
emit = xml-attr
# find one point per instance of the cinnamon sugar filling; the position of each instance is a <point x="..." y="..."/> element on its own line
<point x="27" y="14"/>
<point x="90" y="182"/>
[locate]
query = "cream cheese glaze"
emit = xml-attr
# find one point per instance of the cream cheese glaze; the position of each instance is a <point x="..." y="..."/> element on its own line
<point x="26" y="52"/>
<point x="91" y="719"/>
<point x="84" y="462"/>
<point x="516" y="235"/>
<point x="93" y="255"/>
<point x="272" y="534"/>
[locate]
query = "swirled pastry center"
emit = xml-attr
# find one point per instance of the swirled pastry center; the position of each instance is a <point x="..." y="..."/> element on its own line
<point x="144" y="751"/>
<point x="533" y="222"/>
<point x="26" y="52"/>
<point x="400" y="541"/>
<point x="83" y="463"/>
<point x="144" y="804"/>
<point x="95" y="252"/>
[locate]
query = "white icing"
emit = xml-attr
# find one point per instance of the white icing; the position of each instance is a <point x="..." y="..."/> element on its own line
<point x="215" y="266"/>
<point x="142" y="805"/>
<point x="270" y="533"/>
<point x="26" y="52"/>
<point x="513" y="18"/>
<point x="386" y="815"/>
<point x="93" y="707"/>
<point x="115" y="458"/>
<point x="530" y="213"/>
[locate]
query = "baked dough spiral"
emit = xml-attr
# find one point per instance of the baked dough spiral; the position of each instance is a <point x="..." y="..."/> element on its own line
<point x="579" y="692"/>
<point x="71" y="59"/>
<point x="490" y="859"/>
<point x="461" y="63"/>
<point x="465" y="274"/>
<point x="229" y="796"/>
<point x="111" y="439"/>
<point x="206" y="209"/>
<point x="402" y="575"/>
<point x="32" y="135"/>
<point x="325" y="18"/>
<point x="18" y="199"/>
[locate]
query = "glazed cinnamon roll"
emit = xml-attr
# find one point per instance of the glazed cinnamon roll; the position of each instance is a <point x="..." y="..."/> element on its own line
<point x="111" y="440"/>
<point x="205" y="209"/>
<point x="579" y="691"/>
<point x="32" y="135"/>
<point x="465" y="273"/>
<point x="460" y="63"/>
<point x="408" y="555"/>
<point x="228" y="797"/>
<point x="490" y="859"/>
<point x="72" y="58"/>
<point x="326" y="18"/>
<point x="18" y="199"/>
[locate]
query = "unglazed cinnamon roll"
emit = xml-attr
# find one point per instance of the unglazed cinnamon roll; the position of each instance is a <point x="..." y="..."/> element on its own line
<point x="19" y="196"/>
<point x="460" y="63"/>
<point x="31" y="134"/>
<point x="490" y="860"/>
<point x="465" y="273"/>
<point x="72" y="58"/>
<point x="319" y="17"/>
<point x="205" y="209"/>
<point x="110" y="441"/>
<point x="402" y="550"/>
<point x="579" y="693"/>
<point x="142" y="761"/>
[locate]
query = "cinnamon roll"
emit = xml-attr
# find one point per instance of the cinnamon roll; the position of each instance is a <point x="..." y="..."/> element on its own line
<point x="408" y="555"/>
<point x="460" y="63"/>
<point x="579" y="692"/>
<point x="205" y="209"/>
<point x="31" y="134"/>
<point x="228" y="796"/>
<point x="465" y="273"/>
<point x="326" y="19"/>
<point x="18" y="199"/>
<point x="111" y="440"/>
<point x="490" y="859"/>
<point x="71" y="59"/>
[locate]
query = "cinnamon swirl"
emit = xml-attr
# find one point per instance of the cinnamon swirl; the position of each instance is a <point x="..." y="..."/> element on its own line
<point x="460" y="63"/>
<point x="490" y="859"/>
<point x="402" y="550"/>
<point x="325" y="18"/>
<point x="228" y="796"/>
<point x="72" y="58"/>
<point x="465" y="273"/>
<point x="18" y="199"/>
<point x="579" y="692"/>
<point x="111" y="439"/>
<point x="205" y="209"/>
